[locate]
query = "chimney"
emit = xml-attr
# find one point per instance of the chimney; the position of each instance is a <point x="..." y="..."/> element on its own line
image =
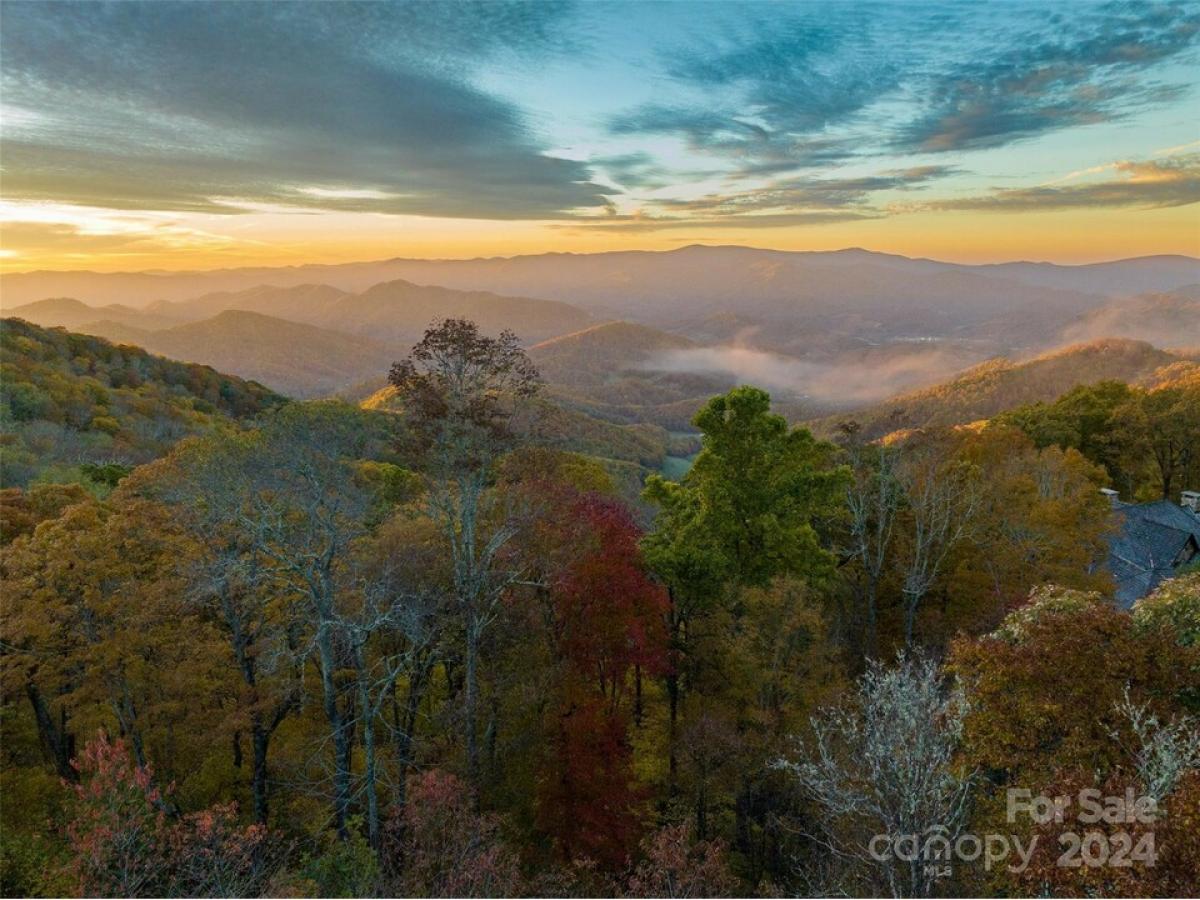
<point x="1190" y="500"/>
<point x="1114" y="497"/>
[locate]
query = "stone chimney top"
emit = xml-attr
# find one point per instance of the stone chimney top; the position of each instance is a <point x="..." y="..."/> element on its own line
<point x="1190" y="500"/>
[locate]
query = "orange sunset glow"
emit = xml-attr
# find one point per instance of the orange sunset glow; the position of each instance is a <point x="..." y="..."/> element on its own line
<point x="600" y="448"/>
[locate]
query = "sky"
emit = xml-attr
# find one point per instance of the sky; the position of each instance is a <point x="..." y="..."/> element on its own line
<point x="165" y="135"/>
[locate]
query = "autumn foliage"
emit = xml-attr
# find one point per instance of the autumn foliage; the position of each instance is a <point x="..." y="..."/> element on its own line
<point x="421" y="651"/>
<point x="445" y="848"/>
<point x="128" y="840"/>
<point x="606" y="619"/>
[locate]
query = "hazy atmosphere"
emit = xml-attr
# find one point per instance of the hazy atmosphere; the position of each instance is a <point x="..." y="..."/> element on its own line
<point x="599" y="449"/>
<point x="152" y="137"/>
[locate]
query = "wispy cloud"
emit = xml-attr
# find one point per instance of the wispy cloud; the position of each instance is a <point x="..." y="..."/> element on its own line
<point x="818" y="85"/>
<point x="167" y="105"/>
<point x="1158" y="183"/>
<point x="782" y="203"/>
<point x="645" y="222"/>
<point x="810" y="193"/>
<point x="81" y="240"/>
<point x="1092" y="70"/>
<point x="769" y="79"/>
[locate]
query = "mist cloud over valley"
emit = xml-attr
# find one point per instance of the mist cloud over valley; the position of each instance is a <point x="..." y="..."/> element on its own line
<point x="850" y="378"/>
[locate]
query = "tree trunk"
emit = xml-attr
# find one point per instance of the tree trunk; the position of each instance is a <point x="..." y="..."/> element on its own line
<point x="1167" y="471"/>
<point x="672" y="681"/>
<point x="339" y="731"/>
<point x="471" y="704"/>
<point x="405" y="733"/>
<point x="260" y="739"/>
<point x="910" y="618"/>
<point x="58" y="744"/>
<point x="672" y="726"/>
<point x="872" y="618"/>
<point x="368" y="742"/>
<point x="637" y="695"/>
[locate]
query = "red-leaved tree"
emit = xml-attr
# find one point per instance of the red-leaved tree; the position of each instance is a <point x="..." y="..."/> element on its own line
<point x="607" y="619"/>
<point x="119" y="833"/>
<point x="126" y="843"/>
<point x="676" y="865"/>
<point x="443" y="847"/>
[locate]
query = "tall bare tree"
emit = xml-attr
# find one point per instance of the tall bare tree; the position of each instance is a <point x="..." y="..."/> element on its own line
<point x="873" y="497"/>
<point x="292" y="511"/>
<point x="463" y="395"/>
<point x="231" y="579"/>
<point x="881" y="766"/>
<point x="942" y="497"/>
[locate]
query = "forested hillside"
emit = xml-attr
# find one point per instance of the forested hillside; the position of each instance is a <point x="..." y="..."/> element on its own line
<point x="299" y="360"/>
<point x="412" y="650"/>
<point x="73" y="404"/>
<point x="1147" y="439"/>
<point x="994" y="386"/>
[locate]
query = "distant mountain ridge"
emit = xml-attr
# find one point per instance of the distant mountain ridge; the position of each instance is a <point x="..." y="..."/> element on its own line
<point x="829" y="330"/>
<point x="795" y="301"/>
<point x="307" y="340"/>
<point x="558" y="276"/>
<point x="394" y="309"/>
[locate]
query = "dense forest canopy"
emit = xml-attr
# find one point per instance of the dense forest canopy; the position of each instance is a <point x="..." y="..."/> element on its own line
<point x="69" y="401"/>
<point x="429" y="646"/>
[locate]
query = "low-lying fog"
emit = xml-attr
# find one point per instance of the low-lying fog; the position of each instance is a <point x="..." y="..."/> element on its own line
<point x="850" y="377"/>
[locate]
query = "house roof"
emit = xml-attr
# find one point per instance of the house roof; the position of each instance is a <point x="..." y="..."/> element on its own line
<point x="1149" y="539"/>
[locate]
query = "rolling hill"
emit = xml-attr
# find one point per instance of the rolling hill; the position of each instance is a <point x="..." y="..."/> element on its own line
<point x="395" y="311"/>
<point x="301" y="303"/>
<point x="67" y="312"/>
<point x="308" y="340"/>
<point x="302" y="361"/>
<point x="593" y="356"/>
<point x="554" y="425"/>
<point x="70" y="400"/>
<point x="400" y="311"/>
<point x="624" y="372"/>
<point x="1000" y="384"/>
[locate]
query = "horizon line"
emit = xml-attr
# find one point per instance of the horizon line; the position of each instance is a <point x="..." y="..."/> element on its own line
<point x="597" y="253"/>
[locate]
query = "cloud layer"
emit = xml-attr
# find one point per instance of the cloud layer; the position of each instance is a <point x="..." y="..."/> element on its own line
<point x="201" y="106"/>
<point x="848" y="380"/>
<point x="669" y="116"/>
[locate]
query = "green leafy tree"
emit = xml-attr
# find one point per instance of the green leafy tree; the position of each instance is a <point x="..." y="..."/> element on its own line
<point x="747" y="511"/>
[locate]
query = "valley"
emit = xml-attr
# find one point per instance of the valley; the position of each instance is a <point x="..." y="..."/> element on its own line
<point x="542" y="448"/>
<point x="639" y="336"/>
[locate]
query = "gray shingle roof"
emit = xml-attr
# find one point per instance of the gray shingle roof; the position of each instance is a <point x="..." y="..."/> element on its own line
<point x="1149" y="539"/>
